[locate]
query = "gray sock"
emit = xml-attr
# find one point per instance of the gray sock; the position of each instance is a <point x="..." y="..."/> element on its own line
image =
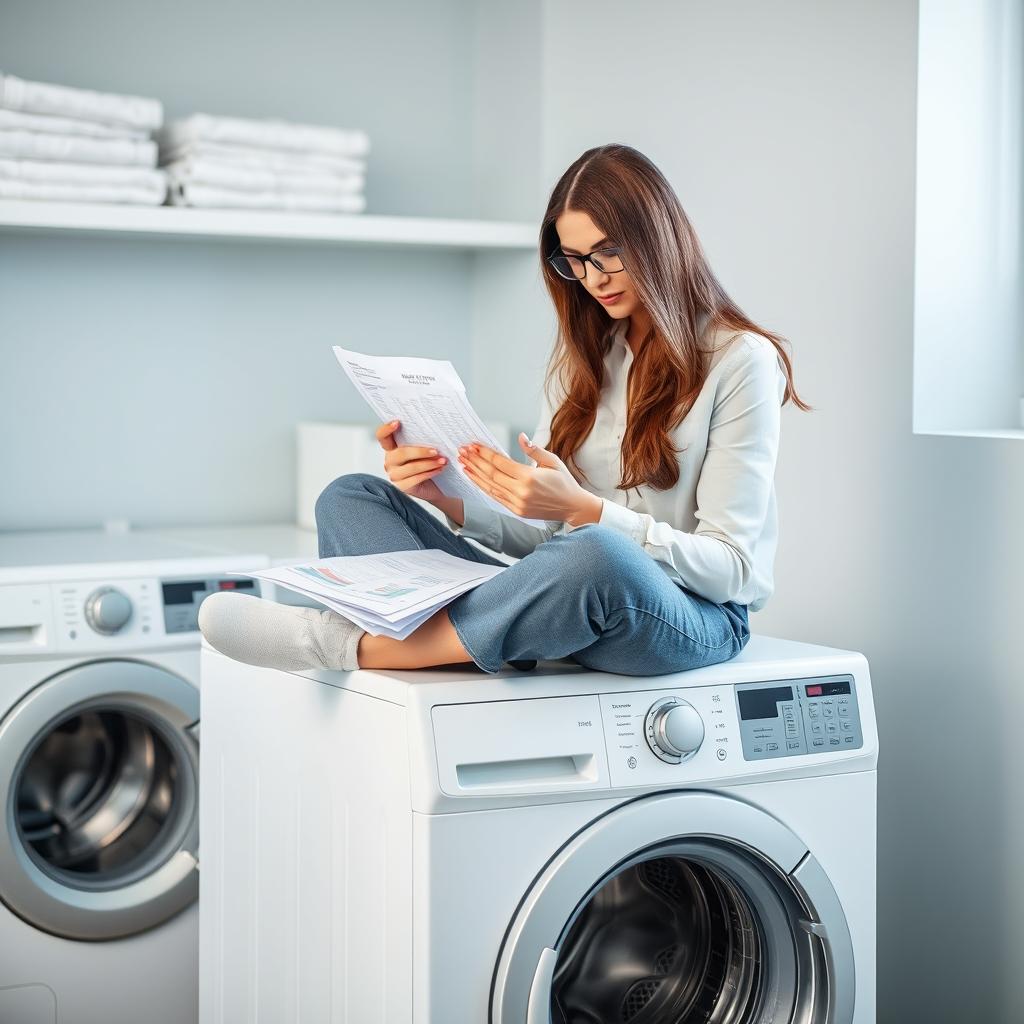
<point x="260" y="632"/>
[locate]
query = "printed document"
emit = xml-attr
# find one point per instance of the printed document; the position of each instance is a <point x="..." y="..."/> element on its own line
<point x="389" y="594"/>
<point x="429" y="398"/>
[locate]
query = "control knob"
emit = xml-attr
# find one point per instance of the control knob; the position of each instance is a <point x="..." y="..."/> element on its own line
<point x="107" y="610"/>
<point x="674" y="729"/>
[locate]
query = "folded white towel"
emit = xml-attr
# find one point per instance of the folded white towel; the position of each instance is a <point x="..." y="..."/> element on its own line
<point x="210" y="171"/>
<point x="267" y="134"/>
<point x="78" y="193"/>
<point x="68" y="101"/>
<point x="266" y="159"/>
<point x="56" y="172"/>
<point x="77" y="149"/>
<point x="190" y="193"/>
<point x="17" y="120"/>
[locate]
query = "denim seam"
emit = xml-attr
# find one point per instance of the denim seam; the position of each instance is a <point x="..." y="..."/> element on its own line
<point x="653" y="615"/>
<point x="462" y="639"/>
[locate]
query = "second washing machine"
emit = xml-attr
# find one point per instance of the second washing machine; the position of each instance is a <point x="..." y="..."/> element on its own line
<point x="99" y="774"/>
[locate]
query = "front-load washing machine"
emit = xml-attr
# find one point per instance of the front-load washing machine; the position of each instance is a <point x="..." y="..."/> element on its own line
<point x="556" y="847"/>
<point x="99" y="769"/>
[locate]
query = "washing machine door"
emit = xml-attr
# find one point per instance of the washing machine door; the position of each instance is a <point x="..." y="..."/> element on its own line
<point x="99" y="771"/>
<point x="679" y="908"/>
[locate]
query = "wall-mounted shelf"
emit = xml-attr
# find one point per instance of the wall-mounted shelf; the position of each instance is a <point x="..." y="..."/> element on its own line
<point x="37" y="217"/>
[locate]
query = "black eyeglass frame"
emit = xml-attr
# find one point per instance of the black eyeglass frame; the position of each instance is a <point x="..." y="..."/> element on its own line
<point x="615" y="250"/>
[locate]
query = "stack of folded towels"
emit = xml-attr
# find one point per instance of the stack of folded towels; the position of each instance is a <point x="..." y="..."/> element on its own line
<point x="59" y="142"/>
<point x="263" y="164"/>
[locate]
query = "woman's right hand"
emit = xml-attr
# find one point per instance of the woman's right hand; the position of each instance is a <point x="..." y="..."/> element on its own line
<point x="411" y="468"/>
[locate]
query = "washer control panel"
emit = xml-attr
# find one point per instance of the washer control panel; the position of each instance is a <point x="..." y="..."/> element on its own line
<point x="649" y="733"/>
<point x="102" y="615"/>
<point x="783" y="718"/>
<point x="674" y="730"/>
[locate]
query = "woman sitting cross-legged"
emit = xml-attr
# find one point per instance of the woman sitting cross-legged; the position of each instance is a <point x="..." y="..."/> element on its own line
<point x="652" y="465"/>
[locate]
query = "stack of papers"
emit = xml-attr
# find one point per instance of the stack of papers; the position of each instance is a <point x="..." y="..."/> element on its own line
<point x="389" y="594"/>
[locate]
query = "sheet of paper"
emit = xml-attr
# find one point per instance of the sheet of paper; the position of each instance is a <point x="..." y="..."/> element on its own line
<point x="376" y="609"/>
<point x="387" y="594"/>
<point x="429" y="398"/>
<point x="372" y="623"/>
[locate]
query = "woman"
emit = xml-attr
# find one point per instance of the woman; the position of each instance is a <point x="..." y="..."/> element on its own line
<point x="653" y="468"/>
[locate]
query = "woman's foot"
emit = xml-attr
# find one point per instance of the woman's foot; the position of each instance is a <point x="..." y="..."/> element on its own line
<point x="283" y="636"/>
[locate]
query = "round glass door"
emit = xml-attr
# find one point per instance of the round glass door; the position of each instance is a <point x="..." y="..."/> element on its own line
<point x="681" y="908"/>
<point x="668" y="939"/>
<point x="99" y="796"/>
<point x="99" y="787"/>
<point x="686" y="933"/>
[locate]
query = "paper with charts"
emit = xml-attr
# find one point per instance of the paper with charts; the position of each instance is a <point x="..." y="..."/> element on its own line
<point x="388" y="594"/>
<point x="429" y="398"/>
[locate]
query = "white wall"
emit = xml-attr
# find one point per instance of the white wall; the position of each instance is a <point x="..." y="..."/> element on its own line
<point x="788" y="131"/>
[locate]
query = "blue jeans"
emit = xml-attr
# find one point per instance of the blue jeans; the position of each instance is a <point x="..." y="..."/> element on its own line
<point x="592" y="595"/>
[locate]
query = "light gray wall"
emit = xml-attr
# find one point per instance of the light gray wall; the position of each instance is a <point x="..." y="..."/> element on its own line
<point x="160" y="381"/>
<point x="788" y="131"/>
<point x="512" y="321"/>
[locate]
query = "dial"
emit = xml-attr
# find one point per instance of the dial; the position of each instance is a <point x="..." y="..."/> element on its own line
<point x="108" y="610"/>
<point x="674" y="729"/>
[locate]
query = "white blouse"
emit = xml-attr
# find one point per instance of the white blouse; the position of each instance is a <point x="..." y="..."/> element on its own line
<point x="716" y="531"/>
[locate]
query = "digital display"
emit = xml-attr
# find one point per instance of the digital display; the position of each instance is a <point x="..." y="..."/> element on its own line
<point x="828" y="689"/>
<point x="764" y="703"/>
<point x="181" y="592"/>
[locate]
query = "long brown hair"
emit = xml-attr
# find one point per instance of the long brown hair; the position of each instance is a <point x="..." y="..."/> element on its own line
<point x="631" y="202"/>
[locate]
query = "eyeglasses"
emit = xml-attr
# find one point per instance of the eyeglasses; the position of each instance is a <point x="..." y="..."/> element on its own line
<point x="574" y="268"/>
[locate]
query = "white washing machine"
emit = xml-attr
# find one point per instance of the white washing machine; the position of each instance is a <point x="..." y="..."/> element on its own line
<point x="99" y="765"/>
<point x="554" y="847"/>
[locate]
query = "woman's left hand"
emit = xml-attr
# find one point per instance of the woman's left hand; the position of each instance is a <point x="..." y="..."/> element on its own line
<point x="545" y="491"/>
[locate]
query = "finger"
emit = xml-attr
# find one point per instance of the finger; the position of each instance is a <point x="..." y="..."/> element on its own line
<point x="491" y="471"/>
<point x="384" y="434"/>
<point x="406" y="453"/>
<point x="496" y="490"/>
<point x="500" y="463"/>
<point x="413" y="481"/>
<point x="415" y="467"/>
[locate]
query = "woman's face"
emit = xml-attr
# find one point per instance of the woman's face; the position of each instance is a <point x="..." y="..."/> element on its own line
<point x="579" y="235"/>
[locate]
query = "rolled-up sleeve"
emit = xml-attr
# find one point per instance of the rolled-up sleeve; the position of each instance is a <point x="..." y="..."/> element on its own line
<point x="734" y="488"/>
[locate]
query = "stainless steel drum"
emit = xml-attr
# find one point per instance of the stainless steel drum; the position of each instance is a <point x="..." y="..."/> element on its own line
<point x="99" y="774"/>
